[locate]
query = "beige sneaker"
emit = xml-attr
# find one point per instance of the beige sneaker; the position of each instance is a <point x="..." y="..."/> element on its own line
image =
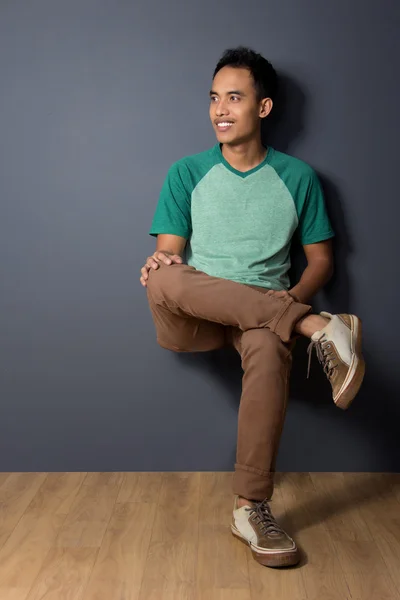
<point x="269" y="544"/>
<point x="338" y="347"/>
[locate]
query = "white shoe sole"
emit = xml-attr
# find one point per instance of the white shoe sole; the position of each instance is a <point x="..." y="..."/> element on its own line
<point x="270" y="558"/>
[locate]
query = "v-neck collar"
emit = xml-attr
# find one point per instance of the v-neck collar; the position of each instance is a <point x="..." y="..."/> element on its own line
<point x="243" y="173"/>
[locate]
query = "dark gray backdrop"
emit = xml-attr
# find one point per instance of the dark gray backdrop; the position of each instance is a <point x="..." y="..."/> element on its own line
<point x="98" y="99"/>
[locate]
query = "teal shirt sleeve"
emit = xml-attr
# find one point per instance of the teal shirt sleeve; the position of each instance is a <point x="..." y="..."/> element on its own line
<point x="314" y="224"/>
<point x="172" y="214"/>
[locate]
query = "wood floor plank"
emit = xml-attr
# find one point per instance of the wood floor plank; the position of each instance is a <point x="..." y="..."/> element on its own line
<point x="222" y="560"/>
<point x="170" y="571"/>
<point x="367" y="486"/>
<point x="374" y="490"/>
<point x="395" y="478"/>
<point x="23" y="554"/>
<point x="226" y="594"/>
<point x="337" y="509"/>
<point x="121" y="561"/>
<point x="300" y="482"/>
<point x="64" y="574"/>
<point x="216" y="483"/>
<point x="386" y="533"/>
<point x="178" y="507"/>
<point x="382" y="517"/>
<point x="321" y="571"/>
<point x="56" y="494"/>
<point x="16" y="492"/>
<point x="108" y="481"/>
<point x="365" y="570"/>
<point x="90" y="511"/>
<point x="140" y="487"/>
<point x="3" y="477"/>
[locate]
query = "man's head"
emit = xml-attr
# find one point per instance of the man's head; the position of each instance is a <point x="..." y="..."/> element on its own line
<point x="243" y="90"/>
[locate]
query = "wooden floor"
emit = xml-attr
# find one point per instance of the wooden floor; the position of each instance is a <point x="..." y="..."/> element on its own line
<point x="166" y="536"/>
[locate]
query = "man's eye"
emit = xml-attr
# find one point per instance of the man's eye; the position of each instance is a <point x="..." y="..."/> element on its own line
<point x="215" y="97"/>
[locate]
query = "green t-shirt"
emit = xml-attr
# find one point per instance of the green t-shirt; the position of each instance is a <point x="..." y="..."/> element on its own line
<point x="239" y="225"/>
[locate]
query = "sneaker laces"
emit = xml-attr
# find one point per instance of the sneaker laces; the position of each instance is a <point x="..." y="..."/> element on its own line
<point x="325" y="354"/>
<point x="265" y="518"/>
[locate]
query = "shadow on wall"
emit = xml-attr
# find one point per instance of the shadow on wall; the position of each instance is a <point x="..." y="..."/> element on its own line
<point x="373" y="412"/>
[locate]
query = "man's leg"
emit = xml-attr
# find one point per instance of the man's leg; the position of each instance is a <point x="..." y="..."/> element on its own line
<point x="266" y="364"/>
<point x="184" y="291"/>
<point x="182" y="333"/>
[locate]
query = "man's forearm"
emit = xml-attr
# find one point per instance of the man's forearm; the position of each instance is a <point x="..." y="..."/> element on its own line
<point x="314" y="277"/>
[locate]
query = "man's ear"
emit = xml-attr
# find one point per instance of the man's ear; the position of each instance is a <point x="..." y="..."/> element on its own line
<point x="266" y="107"/>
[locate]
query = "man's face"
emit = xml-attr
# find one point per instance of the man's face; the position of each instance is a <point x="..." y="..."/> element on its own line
<point x="233" y="100"/>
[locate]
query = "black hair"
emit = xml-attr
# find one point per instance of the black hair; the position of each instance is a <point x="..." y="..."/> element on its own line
<point x="264" y="75"/>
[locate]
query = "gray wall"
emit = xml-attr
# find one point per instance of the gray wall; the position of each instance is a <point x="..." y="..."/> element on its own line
<point x="98" y="98"/>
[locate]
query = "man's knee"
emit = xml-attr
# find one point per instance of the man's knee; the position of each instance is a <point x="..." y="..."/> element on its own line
<point x="265" y="346"/>
<point x="165" y="279"/>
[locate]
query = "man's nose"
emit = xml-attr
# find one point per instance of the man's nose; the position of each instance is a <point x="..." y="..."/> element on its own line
<point x="221" y="108"/>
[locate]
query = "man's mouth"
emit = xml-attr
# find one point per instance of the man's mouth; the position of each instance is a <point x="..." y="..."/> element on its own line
<point x="224" y="125"/>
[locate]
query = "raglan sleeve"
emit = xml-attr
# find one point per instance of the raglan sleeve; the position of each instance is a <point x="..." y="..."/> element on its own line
<point x="172" y="214"/>
<point x="314" y="223"/>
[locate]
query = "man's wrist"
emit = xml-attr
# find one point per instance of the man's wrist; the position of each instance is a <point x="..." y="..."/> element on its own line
<point x="294" y="296"/>
<point x="298" y="295"/>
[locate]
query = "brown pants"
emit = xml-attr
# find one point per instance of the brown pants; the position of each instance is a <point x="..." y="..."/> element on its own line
<point x="194" y="312"/>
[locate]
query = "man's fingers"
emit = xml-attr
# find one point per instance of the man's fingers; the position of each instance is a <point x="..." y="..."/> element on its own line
<point x="164" y="257"/>
<point x="278" y="294"/>
<point x="168" y="259"/>
<point x="151" y="262"/>
<point x="160" y="256"/>
<point x="145" y="272"/>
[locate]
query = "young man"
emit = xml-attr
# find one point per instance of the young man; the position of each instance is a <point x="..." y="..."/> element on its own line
<point x="235" y="208"/>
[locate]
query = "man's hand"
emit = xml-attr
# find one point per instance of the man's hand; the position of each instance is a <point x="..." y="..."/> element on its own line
<point x="153" y="262"/>
<point x="282" y="294"/>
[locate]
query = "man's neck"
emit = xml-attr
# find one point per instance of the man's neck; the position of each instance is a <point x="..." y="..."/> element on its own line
<point x="244" y="157"/>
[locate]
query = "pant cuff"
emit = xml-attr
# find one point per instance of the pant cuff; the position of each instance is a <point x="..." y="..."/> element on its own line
<point x="252" y="483"/>
<point x="287" y="318"/>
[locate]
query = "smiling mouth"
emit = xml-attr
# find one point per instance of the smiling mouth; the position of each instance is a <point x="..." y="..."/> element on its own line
<point x="224" y="125"/>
